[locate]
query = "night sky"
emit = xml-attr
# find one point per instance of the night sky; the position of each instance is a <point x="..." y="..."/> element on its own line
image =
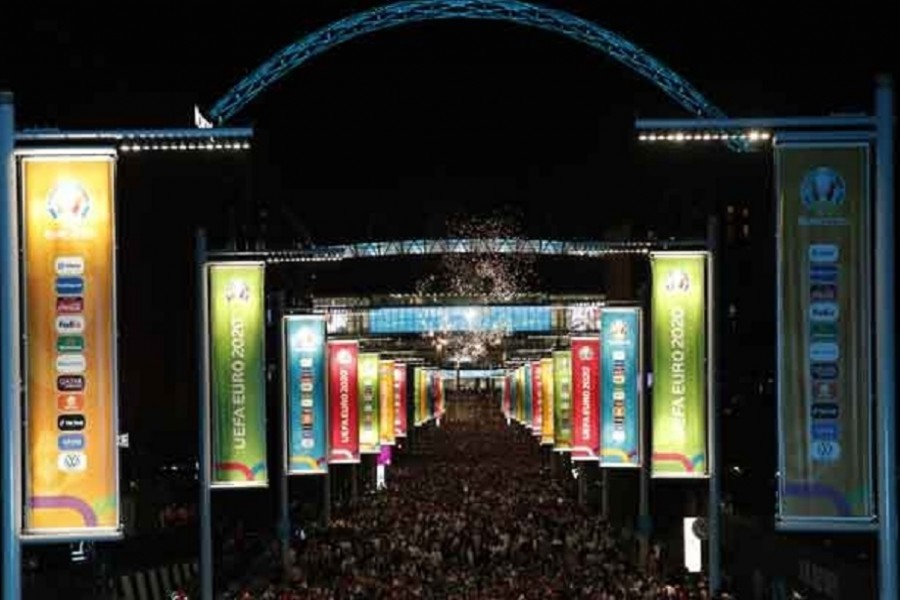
<point x="390" y="135"/>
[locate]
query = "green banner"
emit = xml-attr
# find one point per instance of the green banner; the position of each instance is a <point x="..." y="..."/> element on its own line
<point x="824" y="371"/>
<point x="679" y="357"/>
<point x="369" y="425"/>
<point x="237" y="370"/>
<point x="562" y="405"/>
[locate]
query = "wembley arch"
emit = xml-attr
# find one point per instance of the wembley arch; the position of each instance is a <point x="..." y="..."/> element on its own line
<point x="408" y="12"/>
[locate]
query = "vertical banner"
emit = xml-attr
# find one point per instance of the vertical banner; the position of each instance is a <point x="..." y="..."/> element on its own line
<point x="679" y="364"/>
<point x="562" y="400"/>
<point x="507" y="398"/>
<point x="527" y="395"/>
<point x="547" y="401"/>
<point x="304" y="392"/>
<point x="400" y="370"/>
<point x="237" y="369"/>
<point x="386" y="402"/>
<point x="72" y="467"/>
<point x="417" y="396"/>
<point x="520" y="395"/>
<point x="537" y="394"/>
<point x="343" y="401"/>
<point x="369" y="426"/>
<point x="439" y="394"/>
<point x="620" y="373"/>
<point x="422" y="385"/>
<point x="586" y="398"/>
<point x="824" y="359"/>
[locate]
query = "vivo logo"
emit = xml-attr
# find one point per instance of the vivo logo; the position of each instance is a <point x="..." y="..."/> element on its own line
<point x="823" y="253"/>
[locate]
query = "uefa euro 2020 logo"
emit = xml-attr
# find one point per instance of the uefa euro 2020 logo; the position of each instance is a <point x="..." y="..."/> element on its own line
<point x="585" y="353"/>
<point x="68" y="201"/>
<point x="823" y="189"/>
<point x="344" y="357"/>
<point x="619" y="331"/>
<point x="237" y="291"/>
<point x="678" y="281"/>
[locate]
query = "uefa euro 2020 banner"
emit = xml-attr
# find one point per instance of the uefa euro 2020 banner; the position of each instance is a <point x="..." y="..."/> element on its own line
<point x="537" y="394"/>
<point x="71" y="462"/>
<point x="386" y="402"/>
<point x="562" y="398"/>
<point x="679" y="361"/>
<point x="547" y="401"/>
<point x="369" y="424"/>
<point x="304" y="392"/>
<point x="400" y="371"/>
<point x="527" y="395"/>
<point x="825" y="358"/>
<point x="343" y="401"/>
<point x="620" y="373"/>
<point x="237" y="370"/>
<point x="585" y="399"/>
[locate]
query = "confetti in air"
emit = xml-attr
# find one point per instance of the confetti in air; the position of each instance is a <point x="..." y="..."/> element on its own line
<point x="479" y="279"/>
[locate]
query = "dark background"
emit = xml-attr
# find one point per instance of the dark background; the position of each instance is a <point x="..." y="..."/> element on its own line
<point x="392" y="134"/>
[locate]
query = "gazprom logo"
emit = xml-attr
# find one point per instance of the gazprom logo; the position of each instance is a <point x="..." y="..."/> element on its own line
<point x="68" y="201"/>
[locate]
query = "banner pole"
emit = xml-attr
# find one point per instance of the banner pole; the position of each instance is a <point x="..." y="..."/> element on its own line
<point x="204" y="476"/>
<point x="284" y="515"/>
<point x="884" y="337"/>
<point x="645" y="524"/>
<point x="714" y="525"/>
<point x="10" y="349"/>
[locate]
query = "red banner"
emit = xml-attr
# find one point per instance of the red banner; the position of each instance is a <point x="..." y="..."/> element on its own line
<point x="585" y="398"/>
<point x="399" y="400"/>
<point x="343" y="402"/>
<point x="537" y="395"/>
<point x="438" y="393"/>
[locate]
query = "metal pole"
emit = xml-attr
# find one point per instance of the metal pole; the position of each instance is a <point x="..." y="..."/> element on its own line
<point x="284" y="514"/>
<point x="714" y="525"/>
<point x="10" y="348"/>
<point x="884" y="338"/>
<point x="202" y="309"/>
<point x="644" y="520"/>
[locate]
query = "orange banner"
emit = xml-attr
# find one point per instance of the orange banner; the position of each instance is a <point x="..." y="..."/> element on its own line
<point x="72" y="457"/>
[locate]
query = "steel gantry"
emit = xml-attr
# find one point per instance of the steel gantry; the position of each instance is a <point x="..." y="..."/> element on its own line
<point x="415" y="11"/>
<point x="437" y="247"/>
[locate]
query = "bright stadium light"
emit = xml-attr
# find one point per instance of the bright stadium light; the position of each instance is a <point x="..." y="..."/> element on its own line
<point x="752" y="136"/>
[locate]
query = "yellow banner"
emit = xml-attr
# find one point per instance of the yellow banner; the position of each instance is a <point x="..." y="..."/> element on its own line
<point x="386" y="401"/>
<point x="69" y="266"/>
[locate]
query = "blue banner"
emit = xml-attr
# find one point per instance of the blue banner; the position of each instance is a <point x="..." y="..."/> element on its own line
<point x="620" y="417"/>
<point x="304" y="390"/>
<point x="529" y="398"/>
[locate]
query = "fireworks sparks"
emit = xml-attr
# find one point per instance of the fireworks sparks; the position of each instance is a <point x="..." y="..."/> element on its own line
<point x="484" y="279"/>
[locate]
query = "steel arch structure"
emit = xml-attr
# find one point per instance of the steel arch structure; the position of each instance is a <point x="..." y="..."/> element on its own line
<point x="415" y="11"/>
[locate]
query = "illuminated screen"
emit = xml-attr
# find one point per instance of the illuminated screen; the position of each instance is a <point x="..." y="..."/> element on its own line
<point x="414" y="319"/>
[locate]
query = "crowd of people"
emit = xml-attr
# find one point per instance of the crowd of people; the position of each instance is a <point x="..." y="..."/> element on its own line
<point x="467" y="514"/>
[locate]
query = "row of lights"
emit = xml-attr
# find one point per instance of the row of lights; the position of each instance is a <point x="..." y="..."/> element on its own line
<point x="184" y="146"/>
<point x="304" y="258"/>
<point x="680" y="136"/>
